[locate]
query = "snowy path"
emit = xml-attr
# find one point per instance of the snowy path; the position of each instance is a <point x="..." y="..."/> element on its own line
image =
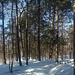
<point x="39" y="68"/>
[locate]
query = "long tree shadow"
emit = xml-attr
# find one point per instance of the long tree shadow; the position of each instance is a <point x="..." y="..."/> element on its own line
<point x="39" y="68"/>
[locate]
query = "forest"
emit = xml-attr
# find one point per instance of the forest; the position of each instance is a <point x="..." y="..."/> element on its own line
<point x="37" y="37"/>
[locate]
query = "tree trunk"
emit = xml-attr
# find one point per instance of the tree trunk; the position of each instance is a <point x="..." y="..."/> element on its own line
<point x="3" y="33"/>
<point x="24" y="44"/>
<point x="48" y="50"/>
<point x="65" y="51"/>
<point x="27" y="34"/>
<point x="39" y="55"/>
<point x="53" y="16"/>
<point x="20" y="35"/>
<point x="56" y="32"/>
<point x="29" y="44"/>
<point x="20" y="63"/>
<point x="62" y="38"/>
<point x="74" y="35"/>
<point x="35" y="40"/>
<point x="12" y="40"/>
<point x="16" y="51"/>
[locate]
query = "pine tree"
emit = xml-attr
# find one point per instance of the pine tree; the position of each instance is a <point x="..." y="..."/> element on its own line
<point x="27" y="33"/>
<point x="39" y="54"/>
<point x="2" y="2"/>
<point x="74" y="35"/>
<point x="57" y="31"/>
<point x="19" y="55"/>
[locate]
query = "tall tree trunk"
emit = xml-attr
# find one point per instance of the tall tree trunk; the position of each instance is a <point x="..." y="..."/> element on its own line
<point x="53" y="16"/>
<point x="3" y="33"/>
<point x="27" y="34"/>
<point x="9" y="55"/>
<point x="74" y="35"/>
<point x="49" y="35"/>
<point x="39" y="55"/>
<point x="62" y="47"/>
<point x="12" y="39"/>
<point x="56" y="32"/>
<point x="20" y="63"/>
<point x="50" y="45"/>
<point x="20" y="34"/>
<point x="24" y="44"/>
<point x="29" y="44"/>
<point x="70" y="51"/>
<point x="48" y="50"/>
<point x="35" y="40"/>
<point x="54" y="11"/>
<point x="16" y="50"/>
<point x="34" y="43"/>
<point x="65" y="51"/>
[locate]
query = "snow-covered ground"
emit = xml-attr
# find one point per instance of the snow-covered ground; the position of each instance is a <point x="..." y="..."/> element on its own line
<point x="48" y="67"/>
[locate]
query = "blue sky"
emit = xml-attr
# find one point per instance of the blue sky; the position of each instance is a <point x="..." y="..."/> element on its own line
<point x="7" y="19"/>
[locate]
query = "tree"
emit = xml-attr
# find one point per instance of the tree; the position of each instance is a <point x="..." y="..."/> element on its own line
<point x="39" y="56"/>
<point x="27" y="34"/>
<point x="19" y="55"/>
<point x="74" y="35"/>
<point x="2" y="2"/>
<point x="57" y="31"/>
<point x="11" y="67"/>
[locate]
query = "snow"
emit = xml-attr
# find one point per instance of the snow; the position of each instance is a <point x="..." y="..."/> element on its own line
<point x="48" y="67"/>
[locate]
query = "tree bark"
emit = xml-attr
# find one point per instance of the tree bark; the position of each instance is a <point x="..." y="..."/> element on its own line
<point x="74" y="35"/>
<point x="3" y="33"/>
<point x="53" y="16"/>
<point x="62" y="38"/>
<point x="39" y="54"/>
<point x="27" y="34"/>
<point x="29" y="45"/>
<point x="20" y="63"/>
<point x="56" y="32"/>
<point x="12" y="40"/>
<point x="48" y="50"/>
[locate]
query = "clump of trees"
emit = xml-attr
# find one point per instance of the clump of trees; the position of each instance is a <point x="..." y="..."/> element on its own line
<point x="36" y="29"/>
